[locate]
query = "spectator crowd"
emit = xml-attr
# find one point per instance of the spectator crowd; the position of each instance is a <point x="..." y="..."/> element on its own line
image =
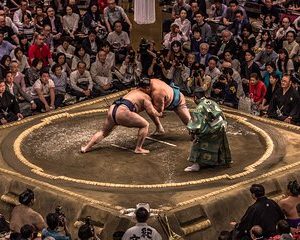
<point x="54" y="54"/>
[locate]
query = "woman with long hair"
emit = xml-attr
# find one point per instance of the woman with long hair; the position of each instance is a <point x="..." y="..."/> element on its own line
<point x="283" y="63"/>
<point x="4" y="65"/>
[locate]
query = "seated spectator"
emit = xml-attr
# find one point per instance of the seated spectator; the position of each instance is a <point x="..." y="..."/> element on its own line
<point x="270" y="9"/>
<point x="5" y="46"/>
<point x="18" y="76"/>
<point x="130" y="69"/>
<point x="238" y="24"/>
<point x="230" y="15"/>
<point x="218" y="10"/>
<point x="204" y="54"/>
<point x="49" y="40"/>
<point x="61" y="59"/>
<point x="110" y="55"/>
<point x="284" y="105"/>
<point x="113" y="13"/>
<point x="173" y="35"/>
<point x="183" y="23"/>
<point x="40" y="50"/>
<point x="43" y="93"/>
<point x="33" y="73"/>
<point x="281" y="32"/>
<point x="283" y="63"/>
<point x="212" y="70"/>
<point x="230" y="72"/>
<point x="4" y="65"/>
<point x="224" y="235"/>
<point x="54" y="22"/>
<point x="203" y="26"/>
<point x="8" y="33"/>
<point x="27" y="232"/>
<point x="247" y="35"/>
<point x="91" y="45"/>
<point x="101" y="73"/>
<point x="257" y="92"/>
<point x="228" y="58"/>
<point x="51" y="231"/>
<point x="264" y="212"/>
<point x="247" y="68"/>
<point x="9" y="107"/>
<point x="157" y="68"/>
<point x="39" y="18"/>
<point x="81" y="82"/>
<point x="24" y="44"/>
<point x="80" y="55"/>
<point x="19" y="14"/>
<point x="60" y="79"/>
<point x="291" y="45"/>
<point x="70" y="22"/>
<point x="4" y="228"/>
<point x="8" y="21"/>
<point x="92" y="18"/>
<point x="262" y="40"/>
<point x="288" y="204"/>
<point x="192" y="13"/>
<point x="283" y="231"/>
<point x="256" y="233"/>
<point x="119" y="41"/>
<point x="26" y="104"/>
<point x="66" y="48"/>
<point x="266" y="55"/>
<point x="28" y="27"/>
<point x="18" y="55"/>
<point x="273" y="86"/>
<point x="87" y="231"/>
<point x="142" y="229"/>
<point x="270" y="69"/>
<point x="23" y="214"/>
<point x="196" y="40"/>
<point x="227" y="43"/>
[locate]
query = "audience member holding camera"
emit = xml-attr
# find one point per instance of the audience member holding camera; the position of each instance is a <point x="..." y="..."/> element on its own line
<point x="54" y="221"/>
<point x="87" y="231"/>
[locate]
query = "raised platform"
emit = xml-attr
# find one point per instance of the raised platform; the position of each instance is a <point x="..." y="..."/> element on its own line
<point x="44" y="151"/>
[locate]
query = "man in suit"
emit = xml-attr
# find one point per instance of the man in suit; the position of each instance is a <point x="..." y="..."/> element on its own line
<point x="25" y="101"/>
<point x="55" y="23"/>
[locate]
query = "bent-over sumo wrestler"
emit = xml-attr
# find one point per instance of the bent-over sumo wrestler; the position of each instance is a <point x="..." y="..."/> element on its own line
<point x="207" y="128"/>
<point x="167" y="97"/>
<point x="124" y="112"/>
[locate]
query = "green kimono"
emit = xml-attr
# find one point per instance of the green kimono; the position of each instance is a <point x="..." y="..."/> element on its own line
<point x="210" y="146"/>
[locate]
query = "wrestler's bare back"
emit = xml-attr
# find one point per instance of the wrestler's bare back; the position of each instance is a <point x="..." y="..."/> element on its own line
<point x="161" y="94"/>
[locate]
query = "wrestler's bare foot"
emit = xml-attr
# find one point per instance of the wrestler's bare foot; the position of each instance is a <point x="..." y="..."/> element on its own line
<point x="158" y="132"/>
<point x="83" y="149"/>
<point x="194" y="168"/>
<point x="141" y="151"/>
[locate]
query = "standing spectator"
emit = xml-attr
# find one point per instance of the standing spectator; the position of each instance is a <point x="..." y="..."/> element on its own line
<point x="23" y="214"/>
<point x="43" y="93"/>
<point x="9" y="107"/>
<point x="113" y="13"/>
<point x="142" y="230"/>
<point x="264" y="212"/>
<point x="284" y="105"/>
<point x="80" y="55"/>
<point x="40" y="50"/>
<point x="289" y="203"/>
<point x="81" y="82"/>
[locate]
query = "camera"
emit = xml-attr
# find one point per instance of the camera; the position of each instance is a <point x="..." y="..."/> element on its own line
<point x="159" y="58"/>
<point x="144" y="46"/>
<point x="178" y="61"/>
<point x="61" y="216"/>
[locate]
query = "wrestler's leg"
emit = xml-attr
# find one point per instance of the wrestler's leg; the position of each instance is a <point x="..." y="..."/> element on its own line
<point x="131" y="119"/>
<point x="108" y="126"/>
<point x="159" y="127"/>
<point x="182" y="111"/>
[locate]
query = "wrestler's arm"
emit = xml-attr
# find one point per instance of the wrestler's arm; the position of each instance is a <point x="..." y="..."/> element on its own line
<point x="159" y="103"/>
<point x="150" y="109"/>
